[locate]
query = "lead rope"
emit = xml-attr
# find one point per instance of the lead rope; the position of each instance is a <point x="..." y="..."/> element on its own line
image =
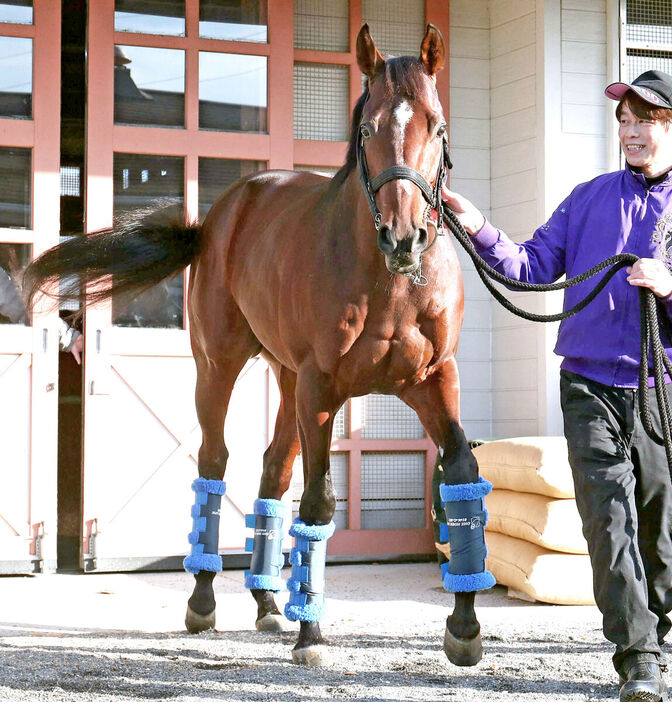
<point x="650" y="341"/>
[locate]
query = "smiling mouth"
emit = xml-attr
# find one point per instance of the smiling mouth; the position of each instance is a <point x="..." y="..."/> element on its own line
<point x="634" y="148"/>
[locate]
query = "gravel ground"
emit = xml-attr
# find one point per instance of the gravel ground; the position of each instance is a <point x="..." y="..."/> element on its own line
<point x="85" y="638"/>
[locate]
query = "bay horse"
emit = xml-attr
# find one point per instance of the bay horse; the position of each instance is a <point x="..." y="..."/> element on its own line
<point x="320" y="277"/>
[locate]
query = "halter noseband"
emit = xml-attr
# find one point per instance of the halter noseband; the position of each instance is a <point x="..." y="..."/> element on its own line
<point x="431" y="194"/>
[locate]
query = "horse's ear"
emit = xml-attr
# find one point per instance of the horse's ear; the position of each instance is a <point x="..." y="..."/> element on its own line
<point x="432" y="50"/>
<point x="369" y="59"/>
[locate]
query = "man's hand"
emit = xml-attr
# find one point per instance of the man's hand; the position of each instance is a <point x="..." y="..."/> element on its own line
<point x="77" y="348"/>
<point x="470" y="216"/>
<point x="651" y="273"/>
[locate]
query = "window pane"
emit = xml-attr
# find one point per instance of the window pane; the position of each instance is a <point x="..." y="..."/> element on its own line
<point x="148" y="86"/>
<point x="216" y="174"/>
<point x="150" y="16"/>
<point x="232" y="92"/>
<point x="16" y="11"/>
<point x="139" y="180"/>
<point x="321" y="101"/>
<point x="13" y="258"/>
<point x="235" y="20"/>
<point x="15" y="187"/>
<point x="16" y="77"/>
<point x="322" y="25"/>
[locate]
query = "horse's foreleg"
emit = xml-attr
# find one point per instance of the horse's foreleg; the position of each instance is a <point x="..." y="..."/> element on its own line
<point x="436" y="401"/>
<point x="316" y="409"/>
<point x="275" y="480"/>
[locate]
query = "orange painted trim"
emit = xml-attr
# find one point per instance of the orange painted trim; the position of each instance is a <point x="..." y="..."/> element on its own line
<point x="17" y="132"/>
<point x="382" y="445"/>
<point x="8" y="29"/>
<point x="179" y="142"/>
<point x="222" y="46"/>
<point x="281" y="83"/>
<point x="320" y="153"/>
<point x="378" y="542"/>
<point x="314" y="56"/>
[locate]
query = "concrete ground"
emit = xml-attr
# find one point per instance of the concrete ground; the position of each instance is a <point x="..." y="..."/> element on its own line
<point x="121" y="636"/>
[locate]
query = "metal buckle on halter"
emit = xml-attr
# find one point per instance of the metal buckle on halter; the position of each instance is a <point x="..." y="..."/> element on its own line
<point x="377" y="221"/>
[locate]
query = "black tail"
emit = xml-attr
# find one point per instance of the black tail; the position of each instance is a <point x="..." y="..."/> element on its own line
<point x="143" y="248"/>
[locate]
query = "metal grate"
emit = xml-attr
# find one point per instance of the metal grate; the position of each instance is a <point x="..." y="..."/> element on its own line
<point x="387" y="417"/>
<point x="338" y="464"/>
<point x="648" y="36"/>
<point x="397" y="28"/>
<point x="341" y="428"/>
<point x="393" y="490"/>
<point x="321" y="25"/>
<point x="70" y="181"/>
<point x="321" y="101"/>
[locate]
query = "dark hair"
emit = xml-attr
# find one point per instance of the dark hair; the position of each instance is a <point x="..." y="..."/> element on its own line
<point x="643" y="109"/>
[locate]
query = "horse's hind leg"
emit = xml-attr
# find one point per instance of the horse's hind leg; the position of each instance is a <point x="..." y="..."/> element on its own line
<point x="436" y="401"/>
<point x="278" y="463"/>
<point x="216" y="375"/>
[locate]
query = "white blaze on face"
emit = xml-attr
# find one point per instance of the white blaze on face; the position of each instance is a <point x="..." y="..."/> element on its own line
<point x="400" y="118"/>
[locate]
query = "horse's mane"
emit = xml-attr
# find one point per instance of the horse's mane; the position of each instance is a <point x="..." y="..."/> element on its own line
<point x="403" y="78"/>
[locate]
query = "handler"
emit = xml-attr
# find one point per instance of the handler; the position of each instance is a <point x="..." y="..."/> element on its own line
<point x="621" y="477"/>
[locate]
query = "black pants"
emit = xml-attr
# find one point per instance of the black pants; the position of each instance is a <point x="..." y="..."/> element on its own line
<point x="624" y="497"/>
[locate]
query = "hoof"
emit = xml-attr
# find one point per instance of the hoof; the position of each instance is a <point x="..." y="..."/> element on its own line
<point x="271" y="622"/>
<point x="196" y="623"/>
<point x="314" y="656"/>
<point x="462" y="651"/>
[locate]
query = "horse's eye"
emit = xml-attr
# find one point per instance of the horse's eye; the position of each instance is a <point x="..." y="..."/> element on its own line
<point x="441" y="131"/>
<point x="366" y="131"/>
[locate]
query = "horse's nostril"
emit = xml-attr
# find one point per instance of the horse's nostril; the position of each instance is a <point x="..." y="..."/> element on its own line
<point x="421" y="239"/>
<point x="386" y="241"/>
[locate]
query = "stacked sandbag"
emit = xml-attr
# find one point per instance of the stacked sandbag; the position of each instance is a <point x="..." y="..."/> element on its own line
<point x="535" y="544"/>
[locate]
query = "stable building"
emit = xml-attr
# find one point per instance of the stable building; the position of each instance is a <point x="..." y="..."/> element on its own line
<point x="106" y="106"/>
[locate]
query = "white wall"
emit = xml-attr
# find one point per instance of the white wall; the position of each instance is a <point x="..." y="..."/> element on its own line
<point x="528" y="123"/>
<point x="470" y="151"/>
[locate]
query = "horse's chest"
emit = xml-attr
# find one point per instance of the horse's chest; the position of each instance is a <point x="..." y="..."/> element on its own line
<point x="382" y="363"/>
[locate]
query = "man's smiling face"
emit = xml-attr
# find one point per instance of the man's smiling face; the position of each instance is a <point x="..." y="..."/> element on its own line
<point x="647" y="144"/>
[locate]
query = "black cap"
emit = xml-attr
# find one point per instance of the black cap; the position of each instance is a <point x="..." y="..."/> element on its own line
<point x="653" y="86"/>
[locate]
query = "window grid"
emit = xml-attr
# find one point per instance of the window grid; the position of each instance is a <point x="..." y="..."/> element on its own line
<point x="321" y="101"/>
<point x="648" y="37"/>
<point x="397" y="28"/>
<point x="387" y="417"/>
<point x="393" y="490"/>
<point x="321" y="25"/>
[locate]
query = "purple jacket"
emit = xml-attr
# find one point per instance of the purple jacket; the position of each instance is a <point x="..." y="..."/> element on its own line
<point x="614" y="213"/>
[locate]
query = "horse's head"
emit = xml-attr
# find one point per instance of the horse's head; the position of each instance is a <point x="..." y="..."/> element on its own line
<point x="401" y="146"/>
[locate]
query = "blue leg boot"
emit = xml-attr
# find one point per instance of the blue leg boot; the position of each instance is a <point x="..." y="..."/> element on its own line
<point x="308" y="558"/>
<point x="204" y="538"/>
<point x="466" y="518"/>
<point x="267" y="558"/>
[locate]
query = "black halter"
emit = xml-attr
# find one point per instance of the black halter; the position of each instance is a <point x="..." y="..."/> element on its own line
<point x="431" y="194"/>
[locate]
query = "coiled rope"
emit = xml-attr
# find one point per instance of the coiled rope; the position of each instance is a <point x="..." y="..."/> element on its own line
<point x="650" y="323"/>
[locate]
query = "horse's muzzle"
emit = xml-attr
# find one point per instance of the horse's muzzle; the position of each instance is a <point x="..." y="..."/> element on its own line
<point x="402" y="256"/>
<point x="403" y="263"/>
